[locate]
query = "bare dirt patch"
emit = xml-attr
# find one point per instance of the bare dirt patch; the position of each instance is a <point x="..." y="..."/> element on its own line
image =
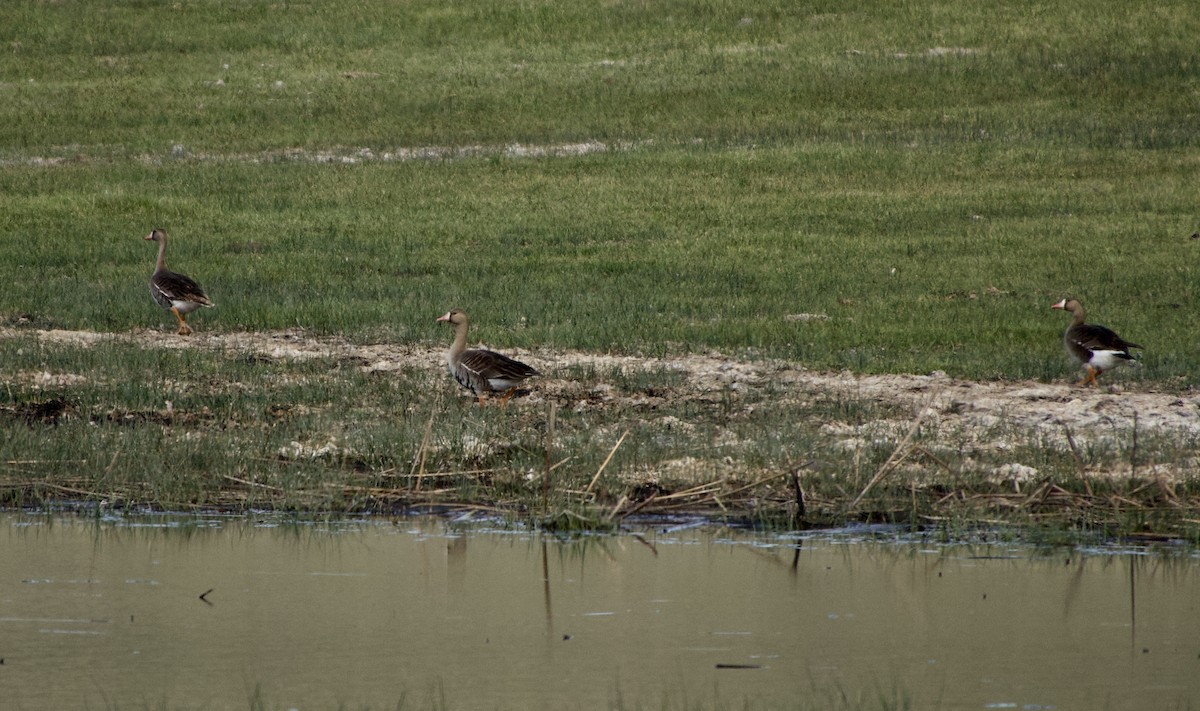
<point x="347" y="155"/>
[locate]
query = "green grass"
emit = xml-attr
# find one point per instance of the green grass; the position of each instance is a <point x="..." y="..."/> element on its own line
<point x="138" y="76"/>
<point x="930" y="176"/>
<point x="919" y="264"/>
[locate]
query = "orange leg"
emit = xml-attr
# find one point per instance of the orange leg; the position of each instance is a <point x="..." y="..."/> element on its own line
<point x="184" y="329"/>
<point x="1092" y="374"/>
<point x="508" y="396"/>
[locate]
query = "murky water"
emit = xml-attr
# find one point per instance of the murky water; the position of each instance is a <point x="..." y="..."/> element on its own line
<point x="423" y="614"/>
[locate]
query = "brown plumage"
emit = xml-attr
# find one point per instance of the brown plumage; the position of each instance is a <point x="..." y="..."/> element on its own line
<point x="481" y="371"/>
<point x="1096" y="347"/>
<point x="173" y="291"/>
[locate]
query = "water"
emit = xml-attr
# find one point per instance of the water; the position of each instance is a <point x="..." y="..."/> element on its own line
<point x="424" y="614"/>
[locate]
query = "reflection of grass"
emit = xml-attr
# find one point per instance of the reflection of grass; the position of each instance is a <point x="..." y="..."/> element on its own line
<point x="826" y="699"/>
<point x="833" y="697"/>
<point x="227" y="430"/>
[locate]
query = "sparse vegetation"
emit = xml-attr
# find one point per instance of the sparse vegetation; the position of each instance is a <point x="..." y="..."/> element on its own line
<point x="288" y="422"/>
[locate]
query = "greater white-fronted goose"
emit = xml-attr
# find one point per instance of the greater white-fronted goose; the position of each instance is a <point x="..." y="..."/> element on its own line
<point x="173" y="291"/>
<point x="1096" y="347"/>
<point x="481" y="371"/>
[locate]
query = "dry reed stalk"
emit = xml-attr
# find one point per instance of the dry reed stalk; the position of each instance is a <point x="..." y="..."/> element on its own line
<point x="1122" y="499"/>
<point x="1087" y="485"/>
<point x="427" y="495"/>
<point x="640" y="505"/>
<point x="936" y="460"/>
<point x="701" y="490"/>
<point x="418" y="463"/>
<point x="549" y="447"/>
<point x="1167" y="490"/>
<point x="898" y="455"/>
<point x="1007" y="502"/>
<point x="1133" y="449"/>
<point x="377" y="490"/>
<point x="69" y="490"/>
<point x="991" y="522"/>
<point x="1059" y="491"/>
<point x="572" y="514"/>
<point x="475" y="507"/>
<point x="424" y="449"/>
<point x="756" y="483"/>
<point x="1039" y="494"/>
<point x="592" y="484"/>
<point x="620" y="502"/>
<point x="1139" y="489"/>
<point x="435" y="475"/>
<point x="254" y="484"/>
<point x="577" y="492"/>
<point x="857" y="464"/>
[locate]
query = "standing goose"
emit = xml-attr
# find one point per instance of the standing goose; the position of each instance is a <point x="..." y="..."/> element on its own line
<point x="1096" y="347"/>
<point x="173" y="291"/>
<point x="478" y="370"/>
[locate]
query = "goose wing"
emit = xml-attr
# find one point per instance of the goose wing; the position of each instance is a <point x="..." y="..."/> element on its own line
<point x="173" y="286"/>
<point x="1091" y="338"/>
<point x="487" y="370"/>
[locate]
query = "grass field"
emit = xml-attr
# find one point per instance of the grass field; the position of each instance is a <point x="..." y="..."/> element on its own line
<point x="875" y="186"/>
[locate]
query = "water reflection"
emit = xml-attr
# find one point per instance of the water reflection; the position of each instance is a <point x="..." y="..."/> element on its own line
<point x="437" y="614"/>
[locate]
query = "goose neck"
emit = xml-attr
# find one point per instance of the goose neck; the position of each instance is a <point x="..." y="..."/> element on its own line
<point x="460" y="341"/>
<point x="161" y="264"/>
